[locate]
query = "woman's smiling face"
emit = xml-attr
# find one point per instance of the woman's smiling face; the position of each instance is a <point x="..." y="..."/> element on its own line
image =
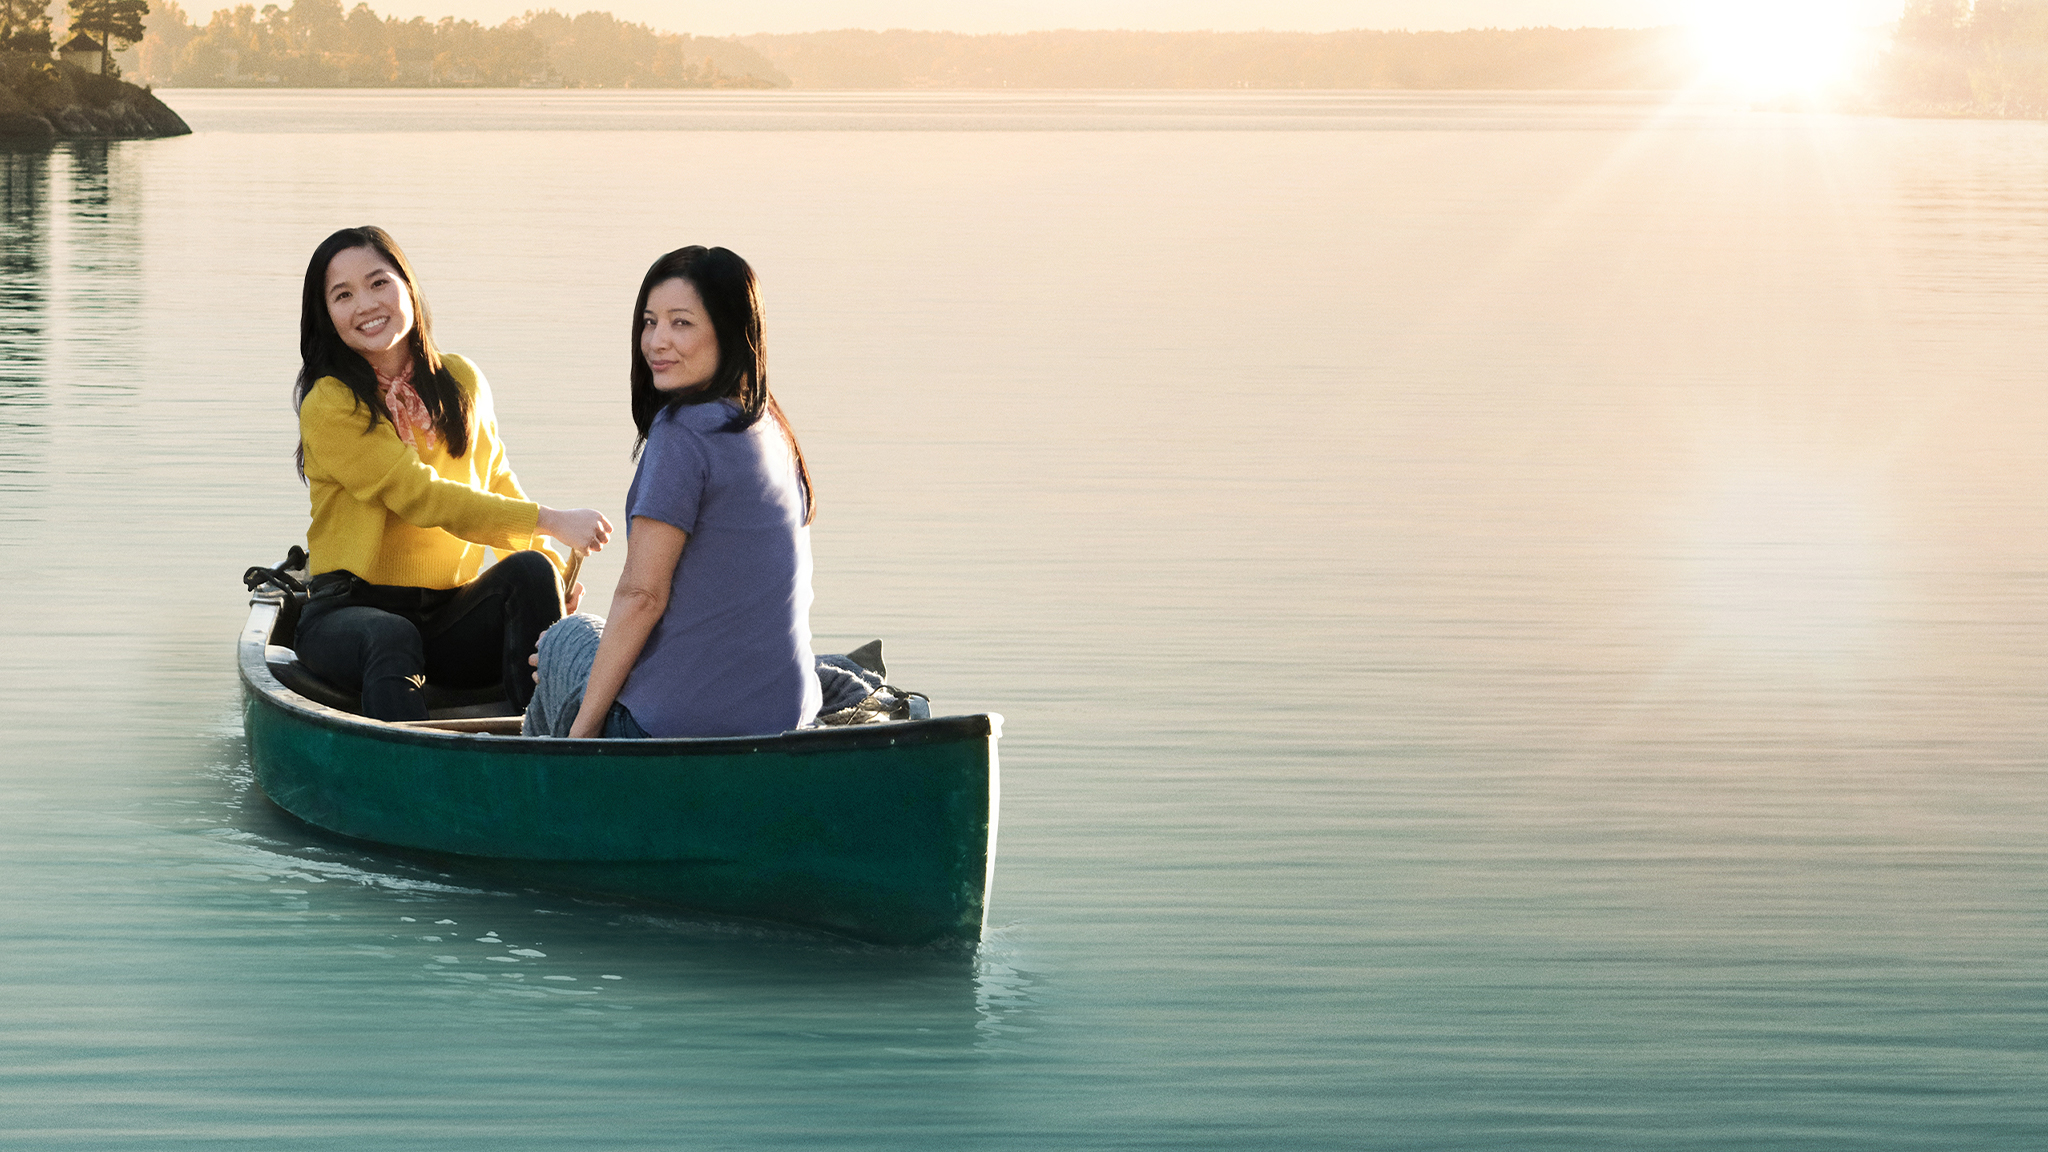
<point x="369" y="304"/>
<point x="676" y="338"/>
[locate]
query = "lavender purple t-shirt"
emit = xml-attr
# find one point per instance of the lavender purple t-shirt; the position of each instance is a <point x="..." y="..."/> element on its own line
<point x="732" y="654"/>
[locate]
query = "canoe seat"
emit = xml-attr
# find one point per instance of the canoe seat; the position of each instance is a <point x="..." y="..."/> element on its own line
<point x="442" y="702"/>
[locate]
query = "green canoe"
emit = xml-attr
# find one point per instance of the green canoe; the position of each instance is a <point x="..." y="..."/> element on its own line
<point x="882" y="832"/>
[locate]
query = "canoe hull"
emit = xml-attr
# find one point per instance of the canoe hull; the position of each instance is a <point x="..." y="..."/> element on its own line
<point x="883" y="832"/>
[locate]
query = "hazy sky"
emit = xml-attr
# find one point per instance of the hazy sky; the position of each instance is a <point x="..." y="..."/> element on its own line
<point x="725" y="17"/>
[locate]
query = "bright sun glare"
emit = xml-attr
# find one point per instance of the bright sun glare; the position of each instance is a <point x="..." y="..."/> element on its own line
<point x="1772" y="48"/>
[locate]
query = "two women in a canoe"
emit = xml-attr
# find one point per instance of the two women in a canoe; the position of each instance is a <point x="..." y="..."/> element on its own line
<point x="409" y="481"/>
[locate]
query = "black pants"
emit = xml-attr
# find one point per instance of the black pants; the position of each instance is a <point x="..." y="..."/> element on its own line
<point x="389" y="641"/>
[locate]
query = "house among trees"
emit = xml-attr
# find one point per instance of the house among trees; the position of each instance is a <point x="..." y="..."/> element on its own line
<point x="99" y="24"/>
<point x="83" y="51"/>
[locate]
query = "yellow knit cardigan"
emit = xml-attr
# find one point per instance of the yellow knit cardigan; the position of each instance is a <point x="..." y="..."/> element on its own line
<point x="394" y="515"/>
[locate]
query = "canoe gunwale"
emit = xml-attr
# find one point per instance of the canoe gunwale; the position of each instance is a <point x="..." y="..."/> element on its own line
<point x="256" y="674"/>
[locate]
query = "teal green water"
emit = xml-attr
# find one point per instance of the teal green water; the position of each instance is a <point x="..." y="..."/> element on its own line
<point x="1520" y="623"/>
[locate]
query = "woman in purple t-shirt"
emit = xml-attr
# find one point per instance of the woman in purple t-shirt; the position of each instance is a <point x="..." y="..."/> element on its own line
<point x="710" y="628"/>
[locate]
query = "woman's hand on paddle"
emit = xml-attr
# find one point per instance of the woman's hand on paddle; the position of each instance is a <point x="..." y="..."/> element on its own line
<point x="573" y="599"/>
<point x="584" y="529"/>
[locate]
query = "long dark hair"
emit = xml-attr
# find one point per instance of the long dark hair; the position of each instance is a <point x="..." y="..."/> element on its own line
<point x="732" y="303"/>
<point x="322" y="353"/>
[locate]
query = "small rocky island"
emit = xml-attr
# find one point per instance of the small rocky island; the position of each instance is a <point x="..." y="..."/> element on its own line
<point x="44" y="100"/>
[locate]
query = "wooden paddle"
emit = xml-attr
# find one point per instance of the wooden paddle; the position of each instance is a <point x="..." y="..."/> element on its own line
<point x="569" y="570"/>
<point x="569" y="573"/>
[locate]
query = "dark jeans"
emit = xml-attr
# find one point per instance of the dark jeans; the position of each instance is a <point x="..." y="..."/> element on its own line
<point x="389" y="641"/>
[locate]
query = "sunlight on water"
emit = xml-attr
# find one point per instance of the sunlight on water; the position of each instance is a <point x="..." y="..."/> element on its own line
<point x="1519" y="622"/>
<point x="1781" y="564"/>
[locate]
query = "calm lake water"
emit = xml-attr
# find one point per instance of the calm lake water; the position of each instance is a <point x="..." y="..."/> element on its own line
<point x="1521" y="623"/>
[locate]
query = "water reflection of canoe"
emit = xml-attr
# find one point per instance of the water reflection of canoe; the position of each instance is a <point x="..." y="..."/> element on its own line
<point x="883" y="832"/>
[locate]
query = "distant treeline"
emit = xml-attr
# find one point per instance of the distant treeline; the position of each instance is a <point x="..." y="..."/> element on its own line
<point x="1947" y="57"/>
<point x="315" y="44"/>
<point x="1610" y="58"/>
<point x="1952" y="57"/>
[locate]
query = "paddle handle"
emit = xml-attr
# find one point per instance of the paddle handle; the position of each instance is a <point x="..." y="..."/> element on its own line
<point x="569" y="573"/>
<point x="570" y="569"/>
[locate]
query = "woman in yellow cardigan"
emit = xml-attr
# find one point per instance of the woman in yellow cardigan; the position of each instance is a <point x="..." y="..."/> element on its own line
<point x="399" y="449"/>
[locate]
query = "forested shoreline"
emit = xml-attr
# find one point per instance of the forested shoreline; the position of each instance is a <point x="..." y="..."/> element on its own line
<point x="316" y="44"/>
<point x="1955" y="58"/>
<point x="1527" y="58"/>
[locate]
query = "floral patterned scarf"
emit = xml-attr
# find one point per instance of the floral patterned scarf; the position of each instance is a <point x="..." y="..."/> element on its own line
<point x="409" y="415"/>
